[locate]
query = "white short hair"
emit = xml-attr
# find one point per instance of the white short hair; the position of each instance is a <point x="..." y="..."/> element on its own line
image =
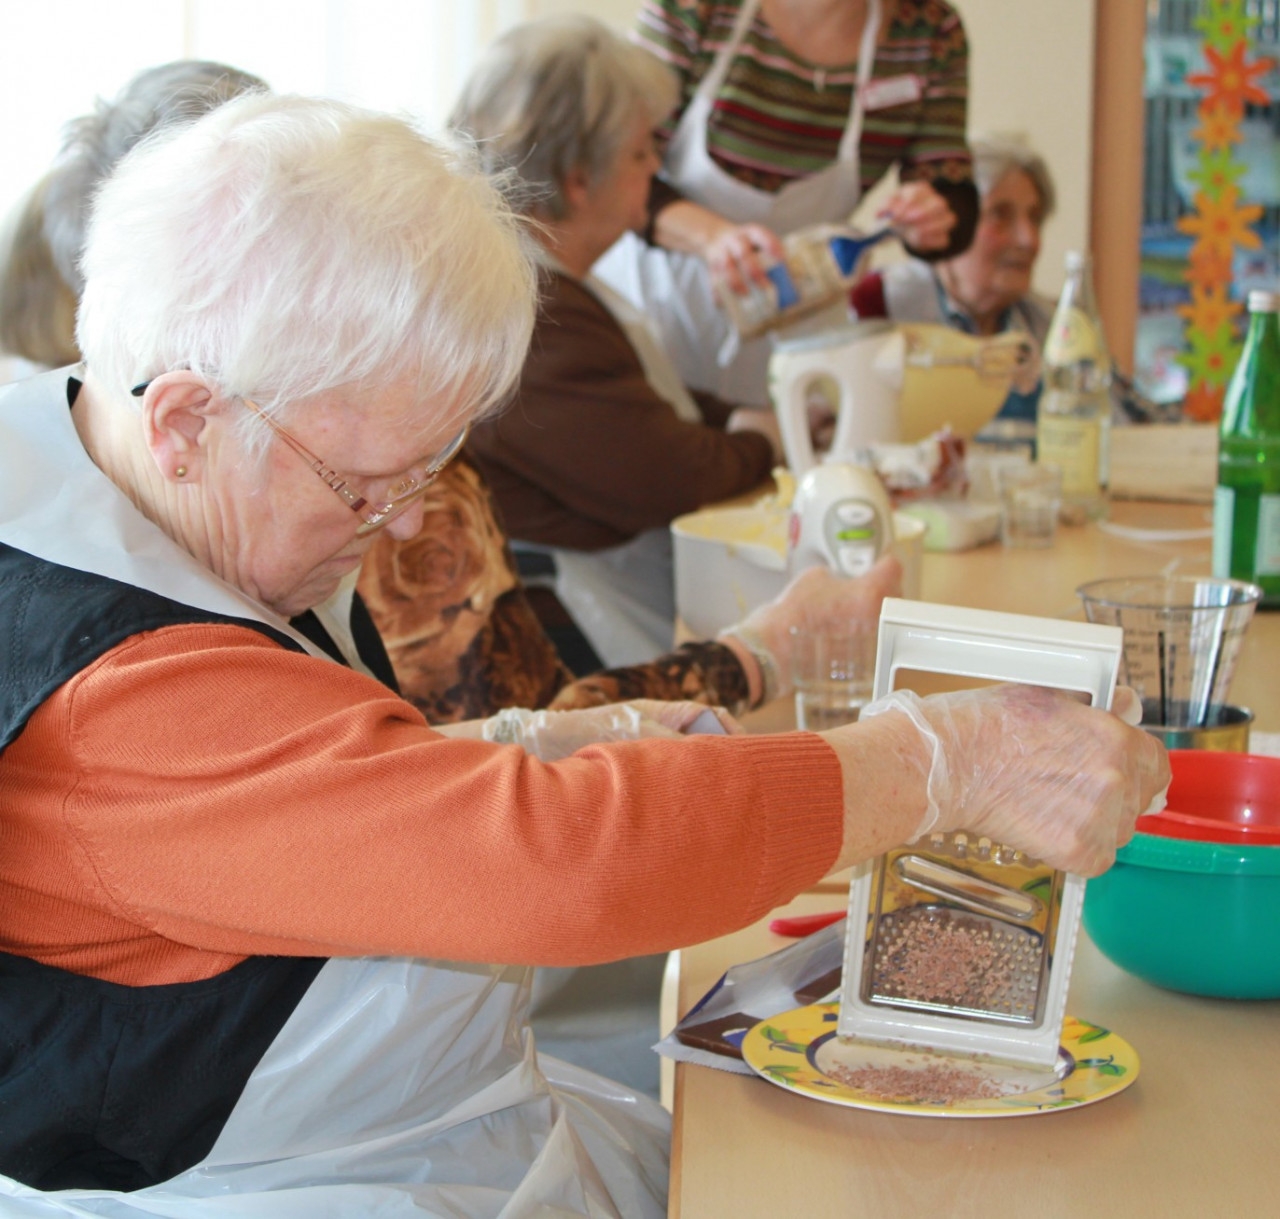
<point x="282" y="247"/>
<point x="998" y="153"/>
<point x="556" y="95"/>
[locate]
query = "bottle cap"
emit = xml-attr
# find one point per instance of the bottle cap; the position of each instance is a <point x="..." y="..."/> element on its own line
<point x="1076" y="259"/>
<point x="1264" y="300"/>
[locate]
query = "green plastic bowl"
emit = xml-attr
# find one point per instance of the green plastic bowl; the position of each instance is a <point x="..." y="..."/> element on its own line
<point x="1199" y="917"/>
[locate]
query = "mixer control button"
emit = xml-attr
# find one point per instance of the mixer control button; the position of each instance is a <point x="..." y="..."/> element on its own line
<point x="855" y="560"/>
<point x="855" y="513"/>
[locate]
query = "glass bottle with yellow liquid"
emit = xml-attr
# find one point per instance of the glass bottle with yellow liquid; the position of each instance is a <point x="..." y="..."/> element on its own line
<point x="1246" y="502"/>
<point x="1073" y="423"/>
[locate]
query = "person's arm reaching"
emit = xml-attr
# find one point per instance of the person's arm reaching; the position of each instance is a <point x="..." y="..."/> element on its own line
<point x="589" y="455"/>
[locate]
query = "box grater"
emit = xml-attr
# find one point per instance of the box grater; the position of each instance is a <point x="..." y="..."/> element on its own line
<point x="956" y="943"/>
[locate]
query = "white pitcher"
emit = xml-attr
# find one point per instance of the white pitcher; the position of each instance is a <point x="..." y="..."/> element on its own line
<point x="894" y="384"/>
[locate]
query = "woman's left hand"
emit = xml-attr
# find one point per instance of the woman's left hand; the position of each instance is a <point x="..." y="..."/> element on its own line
<point x="921" y="218"/>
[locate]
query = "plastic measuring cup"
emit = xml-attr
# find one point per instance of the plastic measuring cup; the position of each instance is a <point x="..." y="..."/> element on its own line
<point x="1182" y="636"/>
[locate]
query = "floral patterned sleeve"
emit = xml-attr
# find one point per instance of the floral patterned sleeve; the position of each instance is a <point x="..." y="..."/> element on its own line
<point x="700" y="672"/>
<point x="464" y="640"/>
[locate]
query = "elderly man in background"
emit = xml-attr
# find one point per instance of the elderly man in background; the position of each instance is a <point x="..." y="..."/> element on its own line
<point x="266" y="933"/>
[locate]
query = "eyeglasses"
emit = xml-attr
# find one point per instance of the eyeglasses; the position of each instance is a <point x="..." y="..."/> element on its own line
<point x="380" y="503"/>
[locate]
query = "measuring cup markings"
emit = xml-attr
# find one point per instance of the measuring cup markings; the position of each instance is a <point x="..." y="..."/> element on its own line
<point x="1181" y="640"/>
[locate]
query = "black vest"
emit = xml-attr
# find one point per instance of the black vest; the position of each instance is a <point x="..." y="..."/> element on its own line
<point x="101" y="1085"/>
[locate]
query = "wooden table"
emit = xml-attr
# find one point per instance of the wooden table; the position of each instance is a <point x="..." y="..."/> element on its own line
<point x="1195" y="1135"/>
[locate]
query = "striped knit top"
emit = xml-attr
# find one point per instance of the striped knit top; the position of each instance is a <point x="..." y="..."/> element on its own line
<point x="779" y="117"/>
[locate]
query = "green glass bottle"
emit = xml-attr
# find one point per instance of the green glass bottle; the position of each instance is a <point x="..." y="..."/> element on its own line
<point x="1246" y="502"/>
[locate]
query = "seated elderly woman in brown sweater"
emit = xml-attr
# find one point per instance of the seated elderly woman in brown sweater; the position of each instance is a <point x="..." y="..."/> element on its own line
<point x="603" y="445"/>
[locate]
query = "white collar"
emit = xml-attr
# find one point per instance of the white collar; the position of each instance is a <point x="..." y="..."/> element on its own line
<point x="57" y="505"/>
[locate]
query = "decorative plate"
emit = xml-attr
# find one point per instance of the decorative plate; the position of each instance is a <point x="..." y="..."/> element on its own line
<point x="799" y="1050"/>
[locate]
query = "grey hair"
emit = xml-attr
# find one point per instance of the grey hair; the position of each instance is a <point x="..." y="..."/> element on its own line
<point x="37" y="309"/>
<point x="996" y="154"/>
<point x="282" y="247"/>
<point x="556" y="95"/>
<point x="176" y="92"/>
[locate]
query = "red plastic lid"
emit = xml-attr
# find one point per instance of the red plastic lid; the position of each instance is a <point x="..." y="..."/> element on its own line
<point x="1220" y="797"/>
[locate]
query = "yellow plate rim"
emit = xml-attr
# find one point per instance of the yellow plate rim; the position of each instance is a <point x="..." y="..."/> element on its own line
<point x="778" y="1050"/>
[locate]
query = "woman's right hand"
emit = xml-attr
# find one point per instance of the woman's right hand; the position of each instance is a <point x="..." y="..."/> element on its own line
<point x="552" y="735"/>
<point x="1035" y="769"/>
<point x="920" y="217"/>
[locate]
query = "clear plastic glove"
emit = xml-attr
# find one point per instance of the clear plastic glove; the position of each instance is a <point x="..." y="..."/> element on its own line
<point x="813" y="600"/>
<point x="551" y="735"/>
<point x="1036" y="769"/>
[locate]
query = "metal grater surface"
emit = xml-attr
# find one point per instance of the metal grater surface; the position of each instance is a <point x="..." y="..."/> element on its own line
<point x="956" y="943"/>
<point x="936" y="958"/>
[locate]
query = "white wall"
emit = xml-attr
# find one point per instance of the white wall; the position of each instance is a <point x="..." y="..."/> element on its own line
<point x="1031" y="68"/>
<point x="57" y="56"/>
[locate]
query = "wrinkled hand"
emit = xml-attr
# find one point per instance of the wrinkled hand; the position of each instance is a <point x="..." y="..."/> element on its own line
<point x="921" y="218"/>
<point x="551" y="735"/>
<point x="1035" y="769"/>
<point x="817" y="598"/>
<point x="739" y="254"/>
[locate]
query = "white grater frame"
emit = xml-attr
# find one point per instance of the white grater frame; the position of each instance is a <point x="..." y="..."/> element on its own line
<point x="996" y="646"/>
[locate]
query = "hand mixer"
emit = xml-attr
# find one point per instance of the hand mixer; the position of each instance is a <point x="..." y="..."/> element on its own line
<point x="957" y="943"/>
<point x="840" y="518"/>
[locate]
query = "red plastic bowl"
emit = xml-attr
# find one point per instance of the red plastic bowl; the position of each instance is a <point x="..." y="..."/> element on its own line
<point x="1220" y="797"/>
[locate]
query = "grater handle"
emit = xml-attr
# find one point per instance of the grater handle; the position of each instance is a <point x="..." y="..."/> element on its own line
<point x="992" y="646"/>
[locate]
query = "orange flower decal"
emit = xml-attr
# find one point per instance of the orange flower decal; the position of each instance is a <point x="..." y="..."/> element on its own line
<point x="1207" y="266"/>
<point x="1221" y="223"/>
<point x="1219" y="127"/>
<point x="1210" y="308"/>
<point x="1231" y="82"/>
<point x="1203" y="403"/>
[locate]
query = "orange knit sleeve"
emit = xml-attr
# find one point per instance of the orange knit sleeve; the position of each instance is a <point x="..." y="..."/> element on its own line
<point x="222" y="793"/>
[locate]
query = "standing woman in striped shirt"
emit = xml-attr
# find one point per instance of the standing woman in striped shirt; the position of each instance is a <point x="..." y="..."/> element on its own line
<point x="790" y="111"/>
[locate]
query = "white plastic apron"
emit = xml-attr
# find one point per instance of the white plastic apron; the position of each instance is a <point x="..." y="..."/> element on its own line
<point x="673" y="289"/>
<point x="623" y="598"/>
<point x="397" y="1087"/>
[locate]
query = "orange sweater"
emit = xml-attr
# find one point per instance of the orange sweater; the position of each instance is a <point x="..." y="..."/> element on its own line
<point x="200" y="794"/>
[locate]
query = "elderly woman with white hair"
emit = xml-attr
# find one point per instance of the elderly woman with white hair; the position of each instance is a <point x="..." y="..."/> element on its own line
<point x="987" y="289"/>
<point x="604" y="446"/>
<point x="265" y="931"/>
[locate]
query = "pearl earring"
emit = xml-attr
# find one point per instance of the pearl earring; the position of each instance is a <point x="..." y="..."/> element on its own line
<point x="181" y="471"/>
